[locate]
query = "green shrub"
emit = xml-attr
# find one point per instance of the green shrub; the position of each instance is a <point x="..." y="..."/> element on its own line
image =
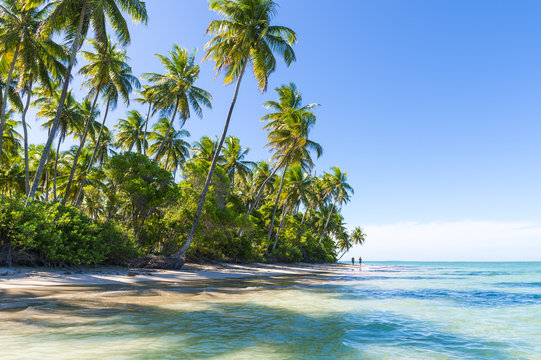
<point x="55" y="234"/>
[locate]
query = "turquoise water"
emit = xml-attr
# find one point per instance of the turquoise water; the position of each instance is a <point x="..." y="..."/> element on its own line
<point x="385" y="311"/>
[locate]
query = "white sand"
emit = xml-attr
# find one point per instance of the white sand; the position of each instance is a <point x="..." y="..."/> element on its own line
<point x="19" y="277"/>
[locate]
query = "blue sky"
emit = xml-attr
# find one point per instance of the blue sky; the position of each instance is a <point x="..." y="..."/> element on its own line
<point x="432" y="107"/>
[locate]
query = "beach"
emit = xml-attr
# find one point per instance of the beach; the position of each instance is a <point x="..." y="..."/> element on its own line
<point x="29" y="278"/>
<point x="384" y="311"/>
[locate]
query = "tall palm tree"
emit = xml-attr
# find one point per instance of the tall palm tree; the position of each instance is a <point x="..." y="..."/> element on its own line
<point x="176" y="150"/>
<point x="234" y="163"/>
<point x="205" y="149"/>
<point x="147" y="96"/>
<point x="105" y="64"/>
<point x="244" y="35"/>
<point x="288" y="109"/>
<point x="339" y="191"/>
<point x="130" y="132"/>
<point x="71" y="120"/>
<point x="175" y="90"/>
<point x="34" y="56"/>
<point x="120" y="83"/>
<point x="11" y="138"/>
<point x="74" y="17"/>
<point x="297" y="184"/>
<point x="289" y="129"/>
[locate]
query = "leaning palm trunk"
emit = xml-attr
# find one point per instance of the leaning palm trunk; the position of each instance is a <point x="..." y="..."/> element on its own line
<point x="184" y="248"/>
<point x="327" y="222"/>
<point x="279" y="228"/>
<point x="262" y="187"/>
<point x="63" y="96"/>
<point x="162" y="146"/>
<point x="81" y="145"/>
<point x="93" y="157"/>
<point x="25" y="140"/>
<point x="276" y="205"/>
<point x="56" y="166"/>
<point x="5" y="97"/>
<point x="146" y="126"/>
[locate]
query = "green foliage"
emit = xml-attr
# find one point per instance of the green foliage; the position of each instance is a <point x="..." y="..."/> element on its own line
<point x="53" y="234"/>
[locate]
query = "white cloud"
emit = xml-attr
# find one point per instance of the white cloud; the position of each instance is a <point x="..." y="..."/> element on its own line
<point x="451" y="241"/>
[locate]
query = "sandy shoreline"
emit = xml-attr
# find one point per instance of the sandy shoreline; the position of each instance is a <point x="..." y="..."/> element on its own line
<point x="24" y="278"/>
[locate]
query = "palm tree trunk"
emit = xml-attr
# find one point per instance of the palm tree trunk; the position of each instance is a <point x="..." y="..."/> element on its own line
<point x="327" y="222"/>
<point x="184" y="248"/>
<point x="74" y="49"/>
<point x="276" y="204"/>
<point x="146" y="126"/>
<point x="262" y="187"/>
<point x="56" y="165"/>
<point x="25" y="139"/>
<point x="167" y="159"/>
<point x="5" y="96"/>
<point x="304" y="215"/>
<point x="94" y="153"/>
<point x="279" y="228"/>
<point x="81" y="145"/>
<point x="168" y="132"/>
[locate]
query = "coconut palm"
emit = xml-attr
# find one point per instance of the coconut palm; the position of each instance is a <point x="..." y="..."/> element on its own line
<point x="130" y="132"/>
<point x="175" y="91"/>
<point x="244" y="35"/>
<point x="297" y="185"/>
<point x="11" y="138"/>
<point x="358" y="237"/>
<point x="71" y="120"/>
<point x="105" y="64"/>
<point x="147" y="96"/>
<point x="338" y="190"/>
<point x="34" y="56"/>
<point x="176" y="150"/>
<point x="289" y="129"/>
<point x="119" y="82"/>
<point x="233" y="160"/>
<point x="205" y="149"/>
<point x="74" y="17"/>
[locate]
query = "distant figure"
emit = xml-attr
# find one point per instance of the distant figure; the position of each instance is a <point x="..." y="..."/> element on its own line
<point x="352" y="261"/>
<point x="360" y="261"/>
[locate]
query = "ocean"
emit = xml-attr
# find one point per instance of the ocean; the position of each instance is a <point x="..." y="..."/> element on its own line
<point x="391" y="310"/>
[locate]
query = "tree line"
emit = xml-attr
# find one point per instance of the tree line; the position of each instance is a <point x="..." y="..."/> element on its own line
<point x="120" y="179"/>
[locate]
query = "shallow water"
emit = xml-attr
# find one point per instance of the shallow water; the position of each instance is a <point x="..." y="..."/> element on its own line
<point x="385" y="311"/>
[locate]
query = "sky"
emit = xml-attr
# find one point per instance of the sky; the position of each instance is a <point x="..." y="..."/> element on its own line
<point x="432" y="108"/>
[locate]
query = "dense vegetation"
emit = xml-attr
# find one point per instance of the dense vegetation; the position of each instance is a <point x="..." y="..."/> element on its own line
<point x="138" y="187"/>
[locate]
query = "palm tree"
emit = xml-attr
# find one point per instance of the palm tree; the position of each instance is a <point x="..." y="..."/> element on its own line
<point x="358" y="237"/>
<point x="205" y="149"/>
<point x="339" y="191"/>
<point x="130" y="132"/>
<point x="120" y="82"/>
<point x="233" y="160"/>
<point x="243" y="36"/>
<point x="34" y="56"/>
<point x="147" y="96"/>
<point x="71" y="120"/>
<point x="77" y="16"/>
<point x="104" y="66"/>
<point x="175" y="91"/>
<point x="289" y="129"/>
<point x="297" y="184"/>
<point x="176" y="150"/>
<point x="11" y="138"/>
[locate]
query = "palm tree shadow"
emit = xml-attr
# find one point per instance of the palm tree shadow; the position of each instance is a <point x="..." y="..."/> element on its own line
<point x="221" y="329"/>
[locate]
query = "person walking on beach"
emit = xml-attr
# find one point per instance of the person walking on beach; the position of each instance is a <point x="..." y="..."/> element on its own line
<point x="352" y="261"/>
<point x="360" y="261"/>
